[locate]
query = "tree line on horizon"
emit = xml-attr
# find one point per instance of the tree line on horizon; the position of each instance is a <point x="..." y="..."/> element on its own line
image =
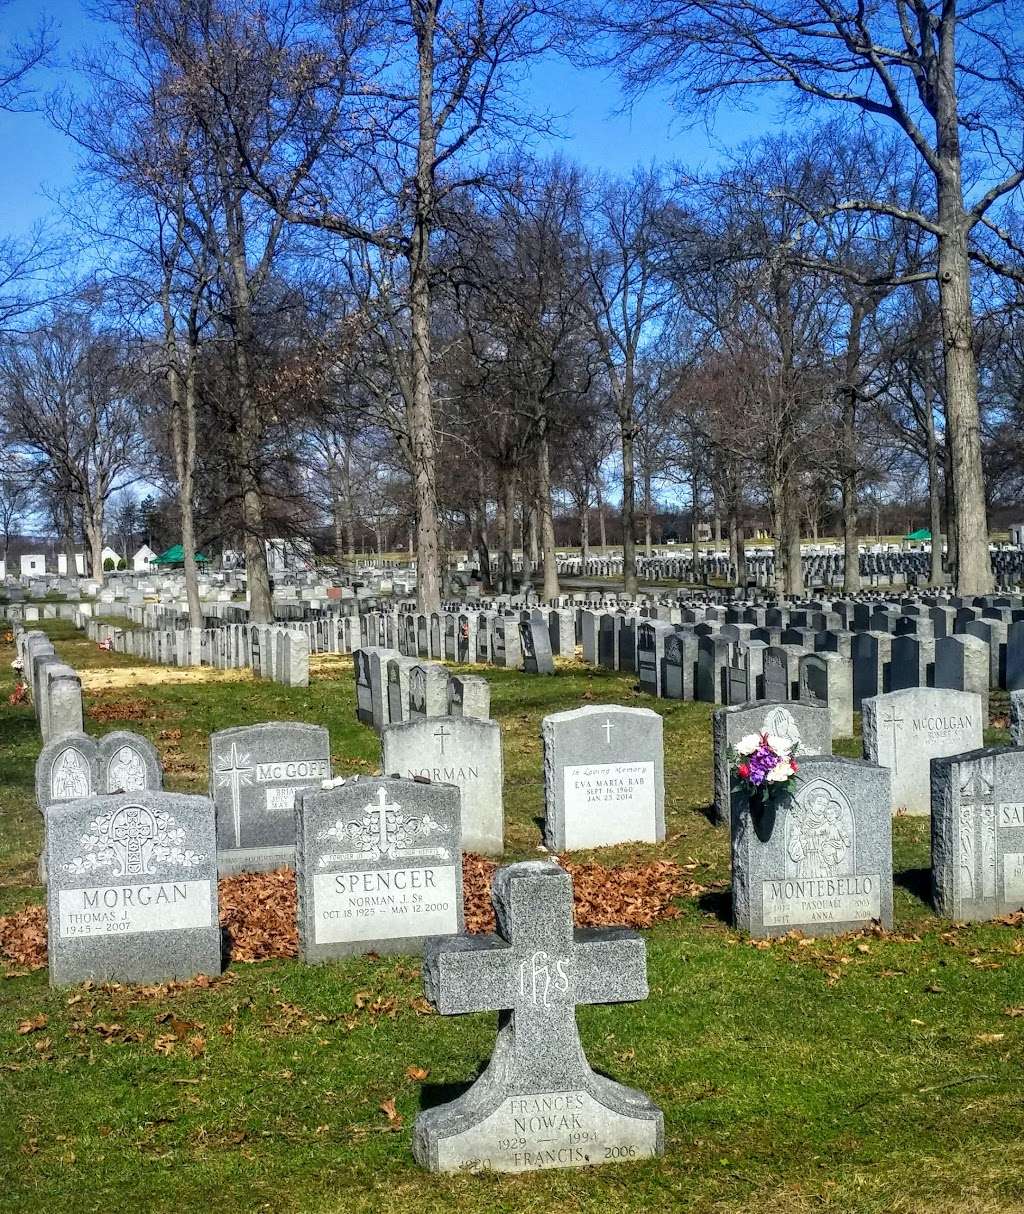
<point x="320" y="285"/>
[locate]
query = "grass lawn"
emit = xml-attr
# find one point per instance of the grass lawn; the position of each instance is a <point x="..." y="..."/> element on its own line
<point x="869" y="1074"/>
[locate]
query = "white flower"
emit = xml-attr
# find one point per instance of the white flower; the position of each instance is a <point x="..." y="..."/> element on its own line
<point x="747" y="745"/>
<point x="782" y="746"/>
<point x="780" y="772"/>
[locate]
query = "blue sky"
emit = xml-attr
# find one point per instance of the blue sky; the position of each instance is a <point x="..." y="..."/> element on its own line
<point x="39" y="162"/>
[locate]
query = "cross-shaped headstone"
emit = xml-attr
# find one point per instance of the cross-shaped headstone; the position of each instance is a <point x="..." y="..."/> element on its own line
<point x="538" y="1104"/>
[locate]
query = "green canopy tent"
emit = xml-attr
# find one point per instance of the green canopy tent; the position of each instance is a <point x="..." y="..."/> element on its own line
<point x="176" y="556"/>
<point x="923" y="534"/>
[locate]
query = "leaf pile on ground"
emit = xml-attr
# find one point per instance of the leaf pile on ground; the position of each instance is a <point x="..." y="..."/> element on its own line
<point x="23" y="938"/>
<point x="258" y="915"/>
<point x="258" y="910"/>
<point x="628" y="896"/>
<point x="121" y="710"/>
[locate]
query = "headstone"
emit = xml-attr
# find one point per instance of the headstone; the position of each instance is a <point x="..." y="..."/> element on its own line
<point x="680" y="665"/>
<point x="978" y="833"/>
<point x="364" y="685"/>
<point x="378" y="866"/>
<point x="63" y="702"/>
<point x="777" y="685"/>
<point x="398" y="687"/>
<point x="603" y="777"/>
<point x="826" y="679"/>
<point x="1017" y="718"/>
<point x="805" y="724"/>
<point x="428" y="691"/>
<point x="819" y="860"/>
<point x="461" y="751"/>
<point x="535" y="641"/>
<point x="127" y="762"/>
<point x="255" y="773"/>
<point x="650" y="654"/>
<point x="538" y="1104"/>
<point x="904" y="730"/>
<point x="132" y="888"/>
<point x="66" y="770"/>
<point x="962" y="663"/>
<point x="469" y="695"/>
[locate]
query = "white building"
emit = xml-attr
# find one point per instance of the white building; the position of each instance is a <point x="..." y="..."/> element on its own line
<point x="62" y="564"/>
<point x="33" y="566"/>
<point x="108" y="554"/>
<point x="143" y="560"/>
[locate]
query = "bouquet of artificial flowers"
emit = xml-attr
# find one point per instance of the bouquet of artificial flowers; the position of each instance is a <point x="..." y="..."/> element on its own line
<point x="765" y="763"/>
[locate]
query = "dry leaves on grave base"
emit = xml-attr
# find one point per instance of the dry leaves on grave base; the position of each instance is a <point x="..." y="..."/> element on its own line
<point x="258" y="910"/>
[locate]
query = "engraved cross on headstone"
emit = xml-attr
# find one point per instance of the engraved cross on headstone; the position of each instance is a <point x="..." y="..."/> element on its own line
<point x="978" y="831"/>
<point x="895" y="721"/>
<point x="535" y="972"/>
<point x="132" y="830"/>
<point x="441" y="735"/>
<point x="608" y="727"/>
<point x="234" y="771"/>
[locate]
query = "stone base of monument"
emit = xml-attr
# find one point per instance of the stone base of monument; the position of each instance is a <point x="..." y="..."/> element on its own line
<point x="538" y="1104"/>
<point x="488" y="1129"/>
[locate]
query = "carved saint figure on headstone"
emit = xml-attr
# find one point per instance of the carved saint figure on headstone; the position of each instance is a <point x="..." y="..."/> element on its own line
<point x="819" y="832"/>
<point x="70" y="776"/>
<point x="126" y="771"/>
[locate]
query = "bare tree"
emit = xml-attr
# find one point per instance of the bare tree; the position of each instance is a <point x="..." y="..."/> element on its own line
<point x="949" y="77"/>
<point x="68" y="396"/>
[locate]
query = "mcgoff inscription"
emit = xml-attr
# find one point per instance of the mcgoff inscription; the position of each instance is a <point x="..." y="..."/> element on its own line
<point x="538" y="1104"/>
<point x="378" y="867"/>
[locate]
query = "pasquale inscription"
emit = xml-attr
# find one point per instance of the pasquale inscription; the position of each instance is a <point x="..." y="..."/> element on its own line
<point x="820" y="900"/>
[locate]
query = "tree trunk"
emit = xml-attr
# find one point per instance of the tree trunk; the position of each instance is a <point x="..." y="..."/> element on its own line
<point x="547" y="521"/>
<point x="627" y="430"/>
<point x="602" y="525"/>
<point x="93" y="519"/>
<point x="585" y="536"/>
<point x="694" y="541"/>
<point x="963" y="427"/>
<point x="508" y="521"/>
<point x="422" y="438"/>
<point x="68" y="528"/>
<point x="934" y="502"/>
<point x="183" y="442"/>
<point x="950" y="496"/>
<point x="648" y="545"/>
<point x="794" y="565"/>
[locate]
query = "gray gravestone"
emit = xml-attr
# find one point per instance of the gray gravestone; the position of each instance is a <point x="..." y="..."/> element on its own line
<point x="1017" y="718"/>
<point x="978" y="833"/>
<point x="132" y="888"/>
<point x="428" y="691"/>
<point x="378" y="866"/>
<point x="819" y="860"/>
<point x="680" y="663"/>
<point x="962" y="663"/>
<point x="63" y="702"/>
<point x="603" y="777"/>
<point x="538" y="1104"/>
<point x="127" y="762"/>
<point x="66" y="770"/>
<point x="805" y="724"/>
<point x="455" y="750"/>
<point x="255" y="774"/>
<point x="469" y="695"/>
<point x="904" y="730"/>
<point x="535" y="641"/>
<point x="398" y="688"/>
